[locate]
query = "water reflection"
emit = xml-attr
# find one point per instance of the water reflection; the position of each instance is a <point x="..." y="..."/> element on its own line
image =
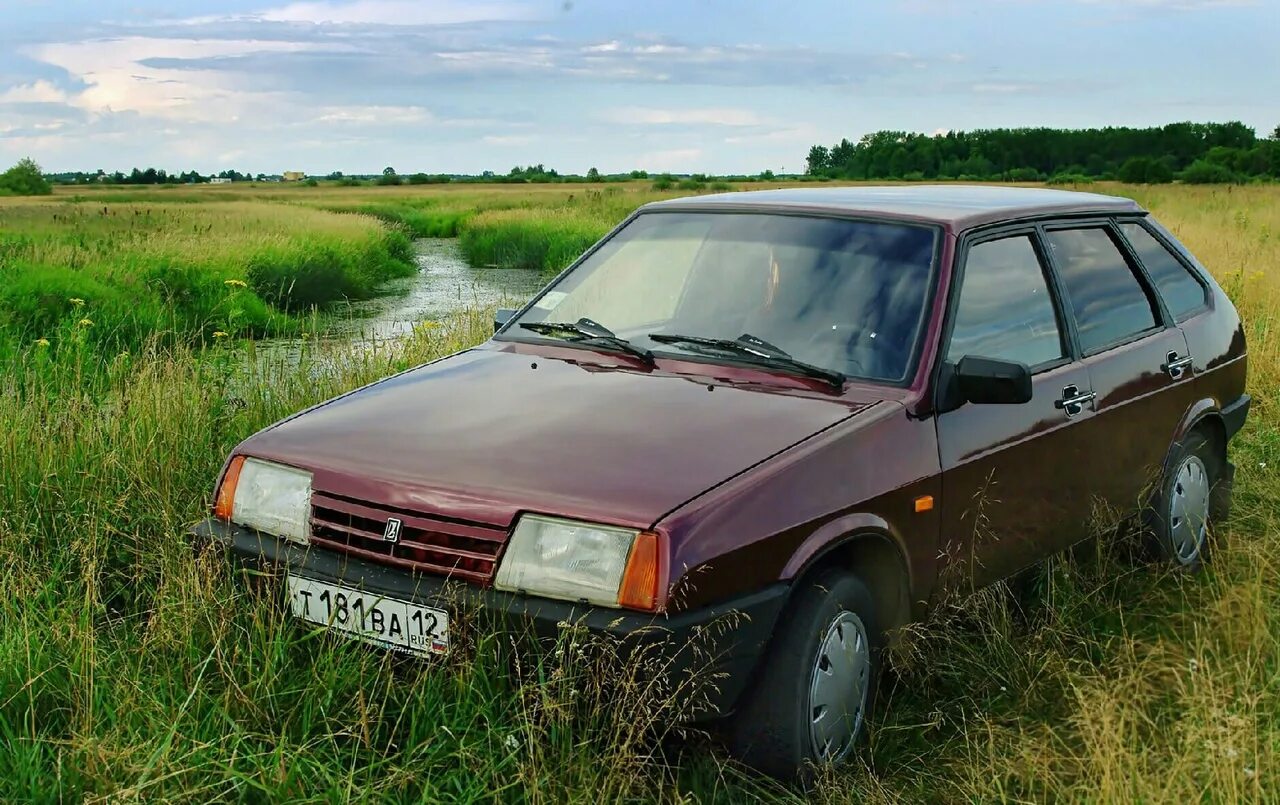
<point x="444" y="283"/>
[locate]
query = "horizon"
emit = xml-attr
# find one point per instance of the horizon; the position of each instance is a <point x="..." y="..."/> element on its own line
<point x="268" y="86"/>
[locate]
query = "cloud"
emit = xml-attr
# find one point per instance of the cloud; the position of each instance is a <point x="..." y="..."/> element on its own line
<point x="642" y="116"/>
<point x="36" y="92"/>
<point x="131" y="74"/>
<point x="507" y="139"/>
<point x="376" y="12"/>
<point x="375" y="115"/>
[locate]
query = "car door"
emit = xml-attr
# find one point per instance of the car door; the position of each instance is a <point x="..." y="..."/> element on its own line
<point x="1137" y="360"/>
<point x="1013" y="476"/>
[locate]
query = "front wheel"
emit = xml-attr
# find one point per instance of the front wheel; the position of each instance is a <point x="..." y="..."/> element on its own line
<point x="809" y="705"/>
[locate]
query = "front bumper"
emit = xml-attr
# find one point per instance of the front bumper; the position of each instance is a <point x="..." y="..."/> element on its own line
<point x="708" y="655"/>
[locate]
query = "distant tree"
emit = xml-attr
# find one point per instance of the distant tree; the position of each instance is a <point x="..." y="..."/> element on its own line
<point x="388" y="171"/>
<point x="419" y="178"/>
<point x="335" y="175"/>
<point x="766" y="175"/>
<point x="593" y="175"/>
<point x="25" y="179"/>
<point x="819" y="161"/>
<point x="1275" y="135"/>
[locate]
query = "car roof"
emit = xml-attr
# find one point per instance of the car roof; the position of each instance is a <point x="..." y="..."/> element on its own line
<point x="955" y="206"/>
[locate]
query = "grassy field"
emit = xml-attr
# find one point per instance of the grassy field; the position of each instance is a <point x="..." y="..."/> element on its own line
<point x="132" y="669"/>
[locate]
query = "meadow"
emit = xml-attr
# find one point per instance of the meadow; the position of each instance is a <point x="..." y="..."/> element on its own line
<point x="132" y="668"/>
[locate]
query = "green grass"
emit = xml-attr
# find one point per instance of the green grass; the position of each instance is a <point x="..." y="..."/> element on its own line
<point x="133" y="668"/>
<point x="117" y="274"/>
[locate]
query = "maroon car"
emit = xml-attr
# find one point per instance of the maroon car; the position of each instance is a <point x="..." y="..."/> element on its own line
<point x="820" y="409"/>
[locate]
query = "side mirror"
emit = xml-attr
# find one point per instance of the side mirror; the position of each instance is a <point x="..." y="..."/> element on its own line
<point x="501" y="317"/>
<point x="991" y="381"/>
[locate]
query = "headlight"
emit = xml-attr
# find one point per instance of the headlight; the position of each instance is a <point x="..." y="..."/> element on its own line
<point x="604" y="565"/>
<point x="269" y="497"/>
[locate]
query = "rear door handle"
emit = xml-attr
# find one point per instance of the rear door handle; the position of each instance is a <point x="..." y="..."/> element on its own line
<point x="1176" y="366"/>
<point x="1073" y="400"/>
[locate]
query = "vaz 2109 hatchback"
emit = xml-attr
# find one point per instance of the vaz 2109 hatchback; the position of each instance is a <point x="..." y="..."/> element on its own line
<point x="809" y="407"/>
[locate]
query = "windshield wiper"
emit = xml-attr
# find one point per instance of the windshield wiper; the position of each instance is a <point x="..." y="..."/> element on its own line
<point x="755" y="350"/>
<point x="587" y="330"/>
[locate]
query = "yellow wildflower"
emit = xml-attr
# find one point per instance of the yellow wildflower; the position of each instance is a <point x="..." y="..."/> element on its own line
<point x="42" y="342"/>
<point x="75" y="300"/>
<point x="233" y="283"/>
<point x="85" y="323"/>
<point x="219" y="334"/>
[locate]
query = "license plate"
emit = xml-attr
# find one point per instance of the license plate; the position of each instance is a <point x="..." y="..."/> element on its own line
<point x="386" y="622"/>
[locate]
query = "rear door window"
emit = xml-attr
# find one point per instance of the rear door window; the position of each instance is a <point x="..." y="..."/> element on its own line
<point x="1108" y="300"/>
<point x="1182" y="292"/>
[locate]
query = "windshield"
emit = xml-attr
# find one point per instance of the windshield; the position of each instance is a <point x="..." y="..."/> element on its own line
<point x="847" y="296"/>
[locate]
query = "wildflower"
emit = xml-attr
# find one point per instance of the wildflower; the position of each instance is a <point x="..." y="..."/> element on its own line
<point x="1262" y="464"/>
<point x="234" y="283"/>
<point x="85" y="322"/>
<point x="1193" y="665"/>
<point x="42" y="342"/>
<point x="512" y="742"/>
<point x="1248" y="772"/>
<point x="219" y="334"/>
<point x="78" y="302"/>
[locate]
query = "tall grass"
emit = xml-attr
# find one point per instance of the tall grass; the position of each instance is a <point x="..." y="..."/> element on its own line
<point x="117" y="274"/>
<point x="133" y="668"/>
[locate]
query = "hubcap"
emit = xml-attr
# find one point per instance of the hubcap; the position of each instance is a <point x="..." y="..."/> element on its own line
<point x="838" y="687"/>
<point x="1189" y="509"/>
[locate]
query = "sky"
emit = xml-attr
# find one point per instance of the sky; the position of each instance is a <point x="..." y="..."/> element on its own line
<point x="716" y="86"/>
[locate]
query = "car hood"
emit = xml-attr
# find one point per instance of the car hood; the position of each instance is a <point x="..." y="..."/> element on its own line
<point x="488" y="433"/>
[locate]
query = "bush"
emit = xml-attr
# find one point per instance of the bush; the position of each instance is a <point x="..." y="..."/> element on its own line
<point x="1069" y="178"/>
<point x="1025" y="175"/>
<point x="25" y="179"/>
<point x="1203" y="171"/>
<point x="664" y="182"/>
<point x="1145" y="170"/>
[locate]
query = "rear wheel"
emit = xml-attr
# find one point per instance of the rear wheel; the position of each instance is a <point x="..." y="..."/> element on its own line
<point x="809" y="705"/>
<point x="1181" y="514"/>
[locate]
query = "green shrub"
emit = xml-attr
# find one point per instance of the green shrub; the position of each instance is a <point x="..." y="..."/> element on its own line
<point x="25" y="179"/>
<point x="1203" y="171"/>
<point x="1069" y="179"/>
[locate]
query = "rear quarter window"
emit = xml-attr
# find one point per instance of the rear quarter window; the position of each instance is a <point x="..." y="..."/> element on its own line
<point x="1182" y="292"/>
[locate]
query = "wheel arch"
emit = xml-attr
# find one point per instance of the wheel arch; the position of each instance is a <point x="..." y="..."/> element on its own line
<point x="871" y="551"/>
<point x="1204" y="415"/>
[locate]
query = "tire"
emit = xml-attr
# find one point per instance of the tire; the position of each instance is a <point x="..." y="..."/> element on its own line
<point x="774" y="730"/>
<point x="1181" y="514"/>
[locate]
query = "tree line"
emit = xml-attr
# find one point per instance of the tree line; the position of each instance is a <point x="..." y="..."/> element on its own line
<point x="1191" y="152"/>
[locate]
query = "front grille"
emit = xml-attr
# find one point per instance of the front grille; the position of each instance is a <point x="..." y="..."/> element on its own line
<point x="427" y="545"/>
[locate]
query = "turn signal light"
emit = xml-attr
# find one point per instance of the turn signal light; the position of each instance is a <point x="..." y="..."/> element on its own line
<point x="639" y="588"/>
<point x="227" y="491"/>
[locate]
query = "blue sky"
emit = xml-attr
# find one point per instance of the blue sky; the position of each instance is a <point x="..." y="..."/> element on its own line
<point x="681" y="85"/>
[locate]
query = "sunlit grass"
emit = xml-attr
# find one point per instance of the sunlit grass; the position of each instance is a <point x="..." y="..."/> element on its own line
<point x="131" y="668"/>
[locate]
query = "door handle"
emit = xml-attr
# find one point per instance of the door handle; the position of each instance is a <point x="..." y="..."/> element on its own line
<point x="1073" y="400"/>
<point x="1175" y="366"/>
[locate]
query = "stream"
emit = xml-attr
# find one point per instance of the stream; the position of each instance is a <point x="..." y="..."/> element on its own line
<point x="445" y="283"/>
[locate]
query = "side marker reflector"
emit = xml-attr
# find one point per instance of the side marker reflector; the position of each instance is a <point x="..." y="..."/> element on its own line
<point x="924" y="503"/>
